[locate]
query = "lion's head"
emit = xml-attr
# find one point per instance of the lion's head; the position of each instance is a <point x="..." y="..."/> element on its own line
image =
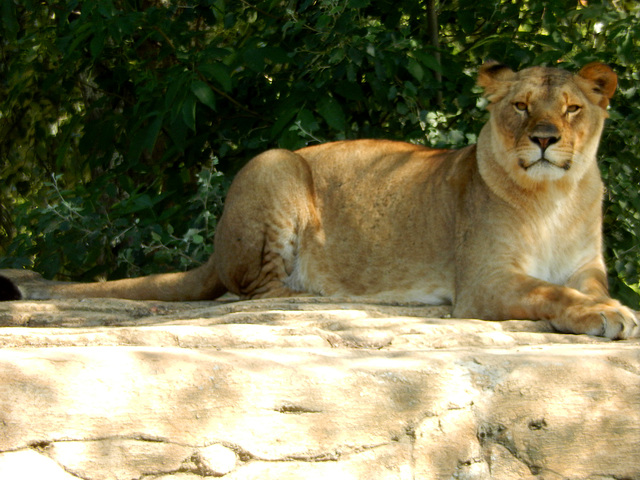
<point x="545" y="122"/>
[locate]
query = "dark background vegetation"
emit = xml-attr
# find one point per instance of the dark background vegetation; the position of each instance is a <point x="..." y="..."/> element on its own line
<point x="123" y="122"/>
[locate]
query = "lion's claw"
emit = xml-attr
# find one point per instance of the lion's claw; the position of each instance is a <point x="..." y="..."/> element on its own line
<point x="617" y="323"/>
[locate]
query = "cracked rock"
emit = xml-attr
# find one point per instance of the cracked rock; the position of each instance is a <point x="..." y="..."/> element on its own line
<point x="117" y="458"/>
<point x="29" y="464"/>
<point x="216" y="460"/>
<point x="308" y="389"/>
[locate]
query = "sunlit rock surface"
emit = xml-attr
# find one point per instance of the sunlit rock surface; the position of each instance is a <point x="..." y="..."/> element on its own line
<point x="308" y="389"/>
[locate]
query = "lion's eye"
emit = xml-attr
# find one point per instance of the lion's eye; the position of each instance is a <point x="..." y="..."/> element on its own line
<point x="573" y="108"/>
<point x="520" y="106"/>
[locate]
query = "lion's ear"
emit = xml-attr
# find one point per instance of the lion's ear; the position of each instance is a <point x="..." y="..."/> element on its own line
<point x="495" y="78"/>
<point x="603" y="81"/>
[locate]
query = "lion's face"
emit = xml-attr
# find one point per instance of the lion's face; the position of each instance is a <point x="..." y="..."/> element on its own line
<point x="546" y="122"/>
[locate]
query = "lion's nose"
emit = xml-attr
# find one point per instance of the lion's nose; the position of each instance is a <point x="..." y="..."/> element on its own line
<point x="544" y="142"/>
<point x="545" y="135"/>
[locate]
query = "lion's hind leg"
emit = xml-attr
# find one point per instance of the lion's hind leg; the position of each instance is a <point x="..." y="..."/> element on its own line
<point x="269" y="206"/>
<point x="277" y="261"/>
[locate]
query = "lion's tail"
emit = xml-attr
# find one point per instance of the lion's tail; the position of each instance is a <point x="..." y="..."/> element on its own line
<point x="201" y="283"/>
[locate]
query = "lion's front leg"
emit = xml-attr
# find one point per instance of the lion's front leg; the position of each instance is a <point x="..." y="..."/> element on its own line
<point x="572" y="311"/>
<point x="609" y="317"/>
<point x="567" y="309"/>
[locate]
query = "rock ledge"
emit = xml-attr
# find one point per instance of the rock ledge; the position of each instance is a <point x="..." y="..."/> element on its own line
<point x="308" y="389"/>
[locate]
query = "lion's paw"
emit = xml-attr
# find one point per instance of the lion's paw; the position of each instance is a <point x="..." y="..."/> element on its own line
<point x="611" y="320"/>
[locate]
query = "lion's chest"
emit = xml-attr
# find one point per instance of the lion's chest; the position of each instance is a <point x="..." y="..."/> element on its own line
<point x="551" y="267"/>
<point x="556" y="246"/>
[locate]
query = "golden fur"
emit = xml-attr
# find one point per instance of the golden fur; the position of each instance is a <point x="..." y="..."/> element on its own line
<point x="508" y="228"/>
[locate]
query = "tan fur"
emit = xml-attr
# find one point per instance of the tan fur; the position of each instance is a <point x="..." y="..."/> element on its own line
<point x="491" y="228"/>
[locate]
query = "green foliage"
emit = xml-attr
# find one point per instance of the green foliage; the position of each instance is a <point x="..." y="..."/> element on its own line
<point x="98" y="227"/>
<point x="118" y="117"/>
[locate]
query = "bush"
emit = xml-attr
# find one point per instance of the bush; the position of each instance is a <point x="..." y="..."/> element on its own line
<point x="123" y="124"/>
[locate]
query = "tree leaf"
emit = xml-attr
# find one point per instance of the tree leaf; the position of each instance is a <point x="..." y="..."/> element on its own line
<point x="97" y="43"/>
<point x="189" y="112"/>
<point x="204" y="93"/>
<point x="218" y="72"/>
<point x="10" y="24"/>
<point x="415" y="69"/>
<point x="428" y="61"/>
<point x="332" y="112"/>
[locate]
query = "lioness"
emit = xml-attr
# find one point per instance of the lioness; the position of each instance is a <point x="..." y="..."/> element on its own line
<point x="509" y="228"/>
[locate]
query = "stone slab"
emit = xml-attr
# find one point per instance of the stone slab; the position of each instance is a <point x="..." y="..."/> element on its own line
<point x="308" y="388"/>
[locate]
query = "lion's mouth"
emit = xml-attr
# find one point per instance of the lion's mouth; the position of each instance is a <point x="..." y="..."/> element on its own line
<point x="543" y="163"/>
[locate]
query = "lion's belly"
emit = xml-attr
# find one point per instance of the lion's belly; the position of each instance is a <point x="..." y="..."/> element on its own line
<point x="411" y="288"/>
<point x="375" y="271"/>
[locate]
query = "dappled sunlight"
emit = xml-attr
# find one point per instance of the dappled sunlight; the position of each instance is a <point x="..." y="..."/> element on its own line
<point x="27" y="312"/>
<point x="290" y="383"/>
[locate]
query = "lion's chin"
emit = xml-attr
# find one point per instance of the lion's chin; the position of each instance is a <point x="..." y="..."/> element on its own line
<point x="544" y="169"/>
<point x="543" y="162"/>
